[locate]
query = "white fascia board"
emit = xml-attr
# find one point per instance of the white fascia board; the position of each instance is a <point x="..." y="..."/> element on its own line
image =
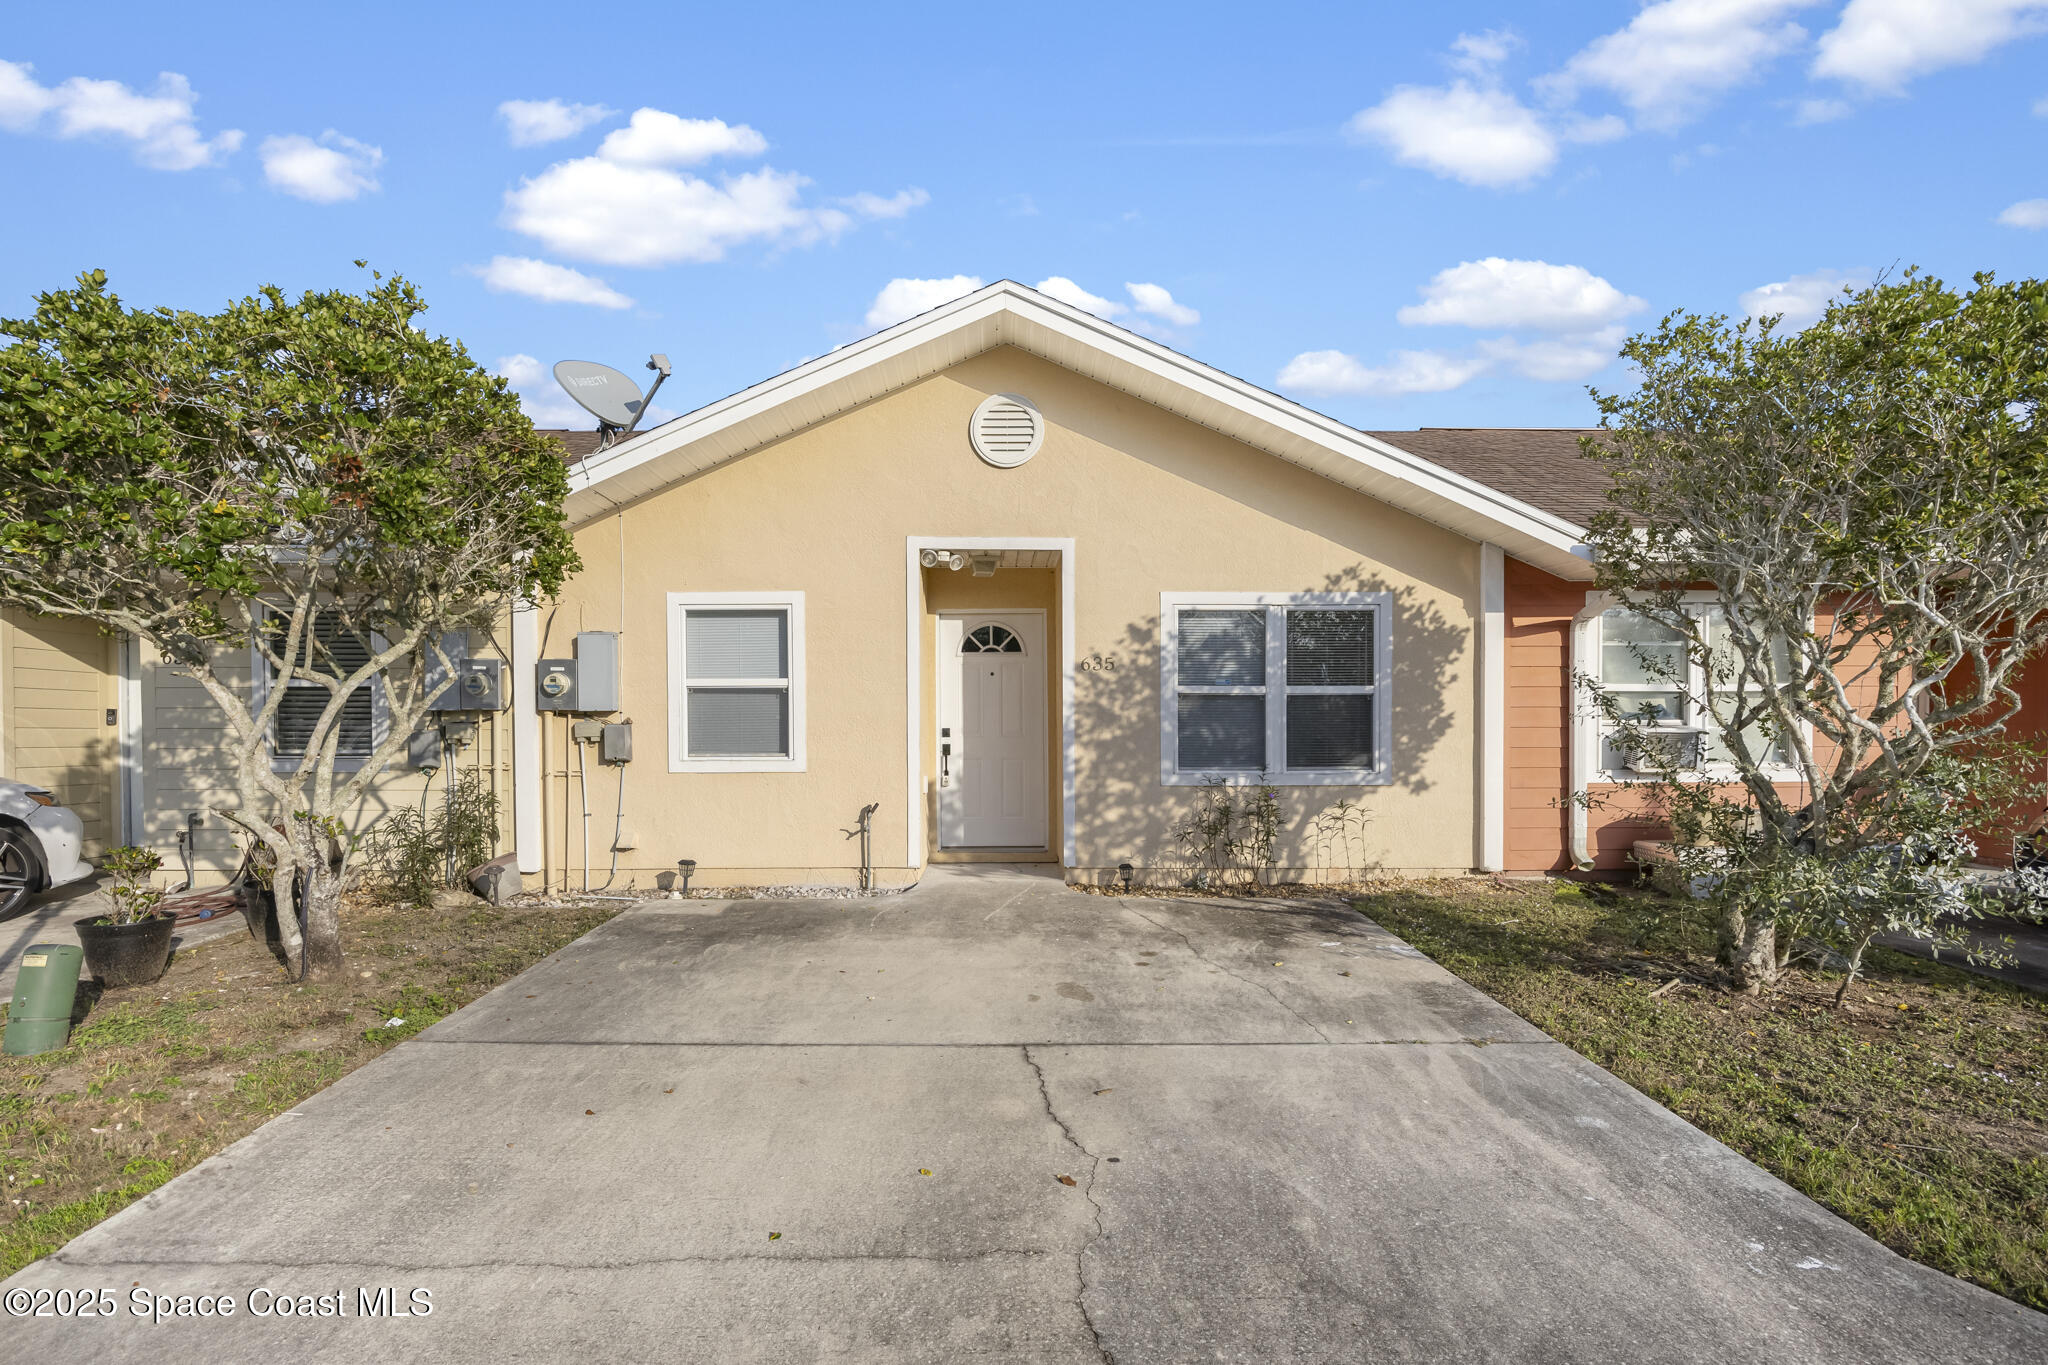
<point x="1115" y="356"/>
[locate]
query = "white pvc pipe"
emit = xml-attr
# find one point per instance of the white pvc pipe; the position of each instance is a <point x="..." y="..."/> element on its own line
<point x="526" y="799"/>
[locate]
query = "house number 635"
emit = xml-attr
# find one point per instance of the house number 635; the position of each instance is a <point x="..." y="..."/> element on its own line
<point x="1099" y="663"/>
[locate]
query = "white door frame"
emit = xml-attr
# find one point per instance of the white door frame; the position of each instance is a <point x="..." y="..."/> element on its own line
<point x="939" y="663"/>
<point x="913" y="682"/>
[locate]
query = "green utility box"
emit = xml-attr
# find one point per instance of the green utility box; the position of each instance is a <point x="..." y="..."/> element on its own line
<point x="39" y="1019"/>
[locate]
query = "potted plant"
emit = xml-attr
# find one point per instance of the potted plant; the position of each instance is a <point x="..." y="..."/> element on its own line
<point x="130" y="945"/>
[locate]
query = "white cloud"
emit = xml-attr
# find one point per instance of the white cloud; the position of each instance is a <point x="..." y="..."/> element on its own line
<point x="895" y="206"/>
<point x="1676" y="55"/>
<point x="628" y="205"/>
<point x="547" y="282"/>
<point x="1481" y="136"/>
<point x="1531" y="294"/>
<point x="1556" y="360"/>
<point x="1812" y="111"/>
<point x="324" y="172"/>
<point x="2028" y="213"/>
<point x="1066" y="291"/>
<point x="529" y="123"/>
<point x="653" y="137"/>
<point x="635" y="215"/>
<point x="162" y="124"/>
<point x="1334" y="372"/>
<point x="905" y="298"/>
<point x="1605" y="128"/>
<point x="1154" y="300"/>
<point x="1802" y="298"/>
<point x="1479" y="53"/>
<point x="1882" y="44"/>
<point x="519" y="369"/>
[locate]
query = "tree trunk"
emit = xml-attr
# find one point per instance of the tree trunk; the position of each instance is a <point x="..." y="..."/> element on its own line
<point x="1749" y="951"/>
<point x="323" y="925"/>
<point x="1855" y="966"/>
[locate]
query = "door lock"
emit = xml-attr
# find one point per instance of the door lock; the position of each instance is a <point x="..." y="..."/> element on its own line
<point x="945" y="765"/>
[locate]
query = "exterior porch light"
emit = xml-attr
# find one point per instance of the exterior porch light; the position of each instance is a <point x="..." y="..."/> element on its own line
<point x="1123" y="875"/>
<point x="949" y="559"/>
<point x="984" y="565"/>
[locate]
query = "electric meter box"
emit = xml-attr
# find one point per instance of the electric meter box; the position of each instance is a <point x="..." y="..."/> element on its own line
<point x="597" y="671"/>
<point x="479" y="686"/>
<point x="554" y="685"/>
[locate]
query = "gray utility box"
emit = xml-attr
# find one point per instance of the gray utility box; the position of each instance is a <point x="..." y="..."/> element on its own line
<point x="479" y="686"/>
<point x="616" y="745"/>
<point x="587" y="684"/>
<point x="597" y="671"/>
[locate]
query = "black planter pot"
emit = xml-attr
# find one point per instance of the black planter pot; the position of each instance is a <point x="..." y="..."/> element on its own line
<point x="126" y="954"/>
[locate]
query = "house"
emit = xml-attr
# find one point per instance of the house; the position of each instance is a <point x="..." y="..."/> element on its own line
<point x="1022" y="582"/>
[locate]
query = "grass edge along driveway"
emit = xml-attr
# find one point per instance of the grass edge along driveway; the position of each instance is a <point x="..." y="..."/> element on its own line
<point x="1919" y="1112"/>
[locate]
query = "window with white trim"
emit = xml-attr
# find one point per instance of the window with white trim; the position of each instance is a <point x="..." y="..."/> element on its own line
<point x="1651" y="671"/>
<point x="736" y="700"/>
<point x="329" y="648"/>
<point x="1288" y="686"/>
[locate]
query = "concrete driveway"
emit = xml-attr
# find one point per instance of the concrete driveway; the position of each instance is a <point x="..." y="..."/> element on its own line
<point x="994" y="1119"/>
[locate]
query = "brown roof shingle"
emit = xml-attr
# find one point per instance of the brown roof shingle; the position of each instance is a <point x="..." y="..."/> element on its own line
<point x="1542" y="466"/>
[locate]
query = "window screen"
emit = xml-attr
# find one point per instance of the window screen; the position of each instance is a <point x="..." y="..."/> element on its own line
<point x="736" y="664"/>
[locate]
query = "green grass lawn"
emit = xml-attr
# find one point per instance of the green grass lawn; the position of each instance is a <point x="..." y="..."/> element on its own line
<point x="158" y="1078"/>
<point x="1919" y="1111"/>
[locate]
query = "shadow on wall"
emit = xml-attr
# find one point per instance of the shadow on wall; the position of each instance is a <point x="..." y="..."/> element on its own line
<point x="188" y="769"/>
<point x="1324" y="833"/>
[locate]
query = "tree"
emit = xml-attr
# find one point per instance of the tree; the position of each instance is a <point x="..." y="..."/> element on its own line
<point x="315" y="480"/>
<point x="1847" y="526"/>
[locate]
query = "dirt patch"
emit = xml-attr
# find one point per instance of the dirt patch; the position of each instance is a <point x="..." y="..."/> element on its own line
<point x="157" y="1078"/>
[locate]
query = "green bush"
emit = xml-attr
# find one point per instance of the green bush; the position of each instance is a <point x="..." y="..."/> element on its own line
<point x="410" y="852"/>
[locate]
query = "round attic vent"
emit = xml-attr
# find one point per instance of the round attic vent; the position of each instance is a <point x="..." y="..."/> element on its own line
<point x="1006" y="430"/>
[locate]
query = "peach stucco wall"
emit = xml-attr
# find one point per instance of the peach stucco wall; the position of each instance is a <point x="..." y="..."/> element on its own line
<point x="1152" y="502"/>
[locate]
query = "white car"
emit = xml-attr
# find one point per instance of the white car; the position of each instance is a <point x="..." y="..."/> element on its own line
<point x="41" y="844"/>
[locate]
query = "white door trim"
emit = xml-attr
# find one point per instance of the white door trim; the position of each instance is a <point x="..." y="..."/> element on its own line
<point x="913" y="667"/>
<point x="939" y="663"/>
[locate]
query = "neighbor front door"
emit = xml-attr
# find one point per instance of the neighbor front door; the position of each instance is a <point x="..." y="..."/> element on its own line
<point x="991" y="684"/>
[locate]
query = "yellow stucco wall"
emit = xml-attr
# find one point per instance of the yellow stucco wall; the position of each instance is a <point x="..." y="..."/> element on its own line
<point x="58" y="680"/>
<point x="1153" y="503"/>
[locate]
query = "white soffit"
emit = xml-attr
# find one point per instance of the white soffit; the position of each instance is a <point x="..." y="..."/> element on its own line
<point x="1008" y="313"/>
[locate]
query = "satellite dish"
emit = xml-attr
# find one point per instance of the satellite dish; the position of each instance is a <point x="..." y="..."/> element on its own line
<point x="609" y="396"/>
<point x="603" y="392"/>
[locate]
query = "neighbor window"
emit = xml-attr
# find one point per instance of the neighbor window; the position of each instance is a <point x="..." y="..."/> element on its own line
<point x="736" y="682"/>
<point x="329" y="648"/>
<point x="1289" y="686"/>
<point x="1648" y="668"/>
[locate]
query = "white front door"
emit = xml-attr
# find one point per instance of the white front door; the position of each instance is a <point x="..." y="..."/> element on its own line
<point x="991" y="683"/>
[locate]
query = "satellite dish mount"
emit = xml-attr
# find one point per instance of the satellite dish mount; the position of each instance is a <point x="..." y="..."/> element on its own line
<point x="609" y="396"/>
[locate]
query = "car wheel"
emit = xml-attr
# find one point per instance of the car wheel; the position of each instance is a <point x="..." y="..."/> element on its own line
<point x="18" y="870"/>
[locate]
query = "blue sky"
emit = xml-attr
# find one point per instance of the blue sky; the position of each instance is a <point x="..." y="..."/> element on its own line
<point x="1402" y="215"/>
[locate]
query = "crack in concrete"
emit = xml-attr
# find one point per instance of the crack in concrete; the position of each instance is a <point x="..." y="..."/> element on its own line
<point x="1204" y="957"/>
<point x="633" y="1263"/>
<point x="1088" y="1192"/>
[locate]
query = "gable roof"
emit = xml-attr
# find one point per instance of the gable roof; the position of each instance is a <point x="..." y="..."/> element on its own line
<point x="1542" y="466"/>
<point x="1009" y="314"/>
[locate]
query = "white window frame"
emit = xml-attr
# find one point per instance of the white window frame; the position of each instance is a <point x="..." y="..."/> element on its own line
<point x="1594" y="730"/>
<point x="790" y="604"/>
<point x="260" y="684"/>
<point x="1275" y="688"/>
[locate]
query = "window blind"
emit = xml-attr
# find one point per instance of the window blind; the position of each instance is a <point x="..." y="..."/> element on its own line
<point x="1222" y="732"/>
<point x="1329" y="649"/>
<point x="738" y="722"/>
<point x="736" y="644"/>
<point x="1223" y="648"/>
